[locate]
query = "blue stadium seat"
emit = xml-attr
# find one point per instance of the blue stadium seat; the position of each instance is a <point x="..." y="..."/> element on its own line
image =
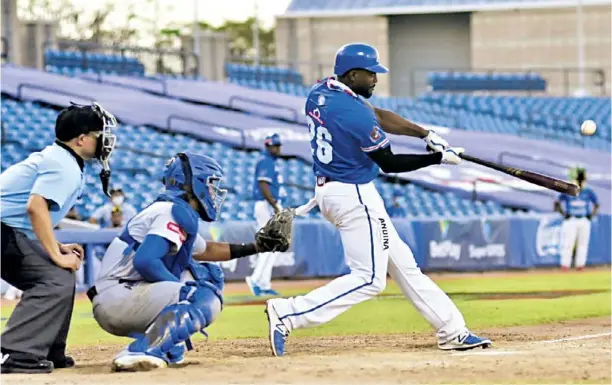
<point x="29" y="126"/>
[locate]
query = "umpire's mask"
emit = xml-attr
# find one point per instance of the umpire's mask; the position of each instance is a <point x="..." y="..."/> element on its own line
<point x="105" y="145"/>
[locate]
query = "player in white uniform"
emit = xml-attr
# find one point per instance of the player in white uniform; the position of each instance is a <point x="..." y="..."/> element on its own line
<point x="151" y="285"/>
<point x="576" y="230"/>
<point x="348" y="147"/>
<point x="268" y="191"/>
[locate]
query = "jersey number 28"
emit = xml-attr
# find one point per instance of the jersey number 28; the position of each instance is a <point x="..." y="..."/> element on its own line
<point x="321" y="148"/>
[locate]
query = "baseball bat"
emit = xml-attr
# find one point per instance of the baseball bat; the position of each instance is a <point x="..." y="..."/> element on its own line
<point x="529" y="176"/>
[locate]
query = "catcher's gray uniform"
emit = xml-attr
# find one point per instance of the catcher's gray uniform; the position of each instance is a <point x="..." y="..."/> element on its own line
<point x="125" y="302"/>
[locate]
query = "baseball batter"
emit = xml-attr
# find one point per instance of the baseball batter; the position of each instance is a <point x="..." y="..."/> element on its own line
<point x="349" y="145"/>
<point x="576" y="229"/>
<point x="152" y="285"/>
<point x="268" y="191"/>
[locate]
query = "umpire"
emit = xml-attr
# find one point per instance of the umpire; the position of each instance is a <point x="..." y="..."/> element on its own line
<point x="36" y="194"/>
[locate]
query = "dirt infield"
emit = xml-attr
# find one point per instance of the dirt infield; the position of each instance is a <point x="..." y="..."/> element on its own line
<point x="568" y="352"/>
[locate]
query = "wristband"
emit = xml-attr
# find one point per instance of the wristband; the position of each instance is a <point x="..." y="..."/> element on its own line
<point x="242" y="250"/>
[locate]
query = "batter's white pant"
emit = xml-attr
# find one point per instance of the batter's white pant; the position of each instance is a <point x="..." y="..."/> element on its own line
<point x="372" y="248"/>
<point x="575" y="231"/>
<point x="262" y="274"/>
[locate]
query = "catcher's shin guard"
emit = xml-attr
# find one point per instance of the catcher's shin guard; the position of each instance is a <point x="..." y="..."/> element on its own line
<point x="177" y="323"/>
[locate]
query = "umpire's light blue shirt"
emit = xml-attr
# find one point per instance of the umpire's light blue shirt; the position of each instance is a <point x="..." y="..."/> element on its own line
<point x="56" y="173"/>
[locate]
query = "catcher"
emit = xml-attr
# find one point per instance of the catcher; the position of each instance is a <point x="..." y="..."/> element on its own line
<point x="155" y="283"/>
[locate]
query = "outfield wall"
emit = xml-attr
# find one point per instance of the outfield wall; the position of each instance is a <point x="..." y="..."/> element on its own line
<point x="449" y="245"/>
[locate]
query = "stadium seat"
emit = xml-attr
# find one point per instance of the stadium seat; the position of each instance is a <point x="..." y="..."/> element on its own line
<point x="140" y="175"/>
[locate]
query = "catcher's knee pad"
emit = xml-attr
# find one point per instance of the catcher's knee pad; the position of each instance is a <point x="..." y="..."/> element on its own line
<point x="208" y="272"/>
<point x="177" y="323"/>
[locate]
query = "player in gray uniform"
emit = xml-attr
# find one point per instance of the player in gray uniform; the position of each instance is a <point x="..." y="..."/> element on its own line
<point x="152" y="285"/>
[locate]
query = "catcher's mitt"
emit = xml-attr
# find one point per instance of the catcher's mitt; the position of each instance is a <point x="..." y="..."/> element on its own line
<point x="276" y="234"/>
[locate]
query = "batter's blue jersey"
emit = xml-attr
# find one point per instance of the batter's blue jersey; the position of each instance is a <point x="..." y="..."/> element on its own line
<point x="581" y="205"/>
<point x="343" y="129"/>
<point x="266" y="170"/>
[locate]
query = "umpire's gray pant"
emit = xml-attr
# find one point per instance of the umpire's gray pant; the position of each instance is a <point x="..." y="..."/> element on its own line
<point x="40" y="322"/>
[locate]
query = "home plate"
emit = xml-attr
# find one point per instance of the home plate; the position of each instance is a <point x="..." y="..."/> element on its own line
<point x="489" y="353"/>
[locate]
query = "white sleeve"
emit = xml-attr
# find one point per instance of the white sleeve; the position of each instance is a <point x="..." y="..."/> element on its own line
<point x="200" y="245"/>
<point x="166" y="227"/>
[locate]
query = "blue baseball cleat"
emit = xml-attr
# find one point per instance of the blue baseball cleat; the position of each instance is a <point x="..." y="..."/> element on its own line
<point x="466" y="341"/>
<point x="255" y="290"/>
<point x="278" y="332"/>
<point x="270" y="292"/>
<point x="176" y="355"/>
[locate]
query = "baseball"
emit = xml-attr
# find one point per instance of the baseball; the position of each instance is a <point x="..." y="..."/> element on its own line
<point x="588" y="127"/>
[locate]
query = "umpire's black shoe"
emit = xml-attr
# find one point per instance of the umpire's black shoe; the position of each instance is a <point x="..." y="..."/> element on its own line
<point x="25" y="364"/>
<point x="62" y="362"/>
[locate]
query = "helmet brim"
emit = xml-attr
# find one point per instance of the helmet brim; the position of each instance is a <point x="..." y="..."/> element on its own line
<point x="378" y="68"/>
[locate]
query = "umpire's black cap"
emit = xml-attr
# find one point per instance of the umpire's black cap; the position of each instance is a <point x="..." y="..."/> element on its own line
<point x="76" y="120"/>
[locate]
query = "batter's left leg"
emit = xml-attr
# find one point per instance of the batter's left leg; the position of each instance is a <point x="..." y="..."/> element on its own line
<point x="433" y="304"/>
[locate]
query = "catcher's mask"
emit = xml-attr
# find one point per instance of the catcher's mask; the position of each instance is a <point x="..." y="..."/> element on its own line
<point x="105" y="143"/>
<point x="200" y="176"/>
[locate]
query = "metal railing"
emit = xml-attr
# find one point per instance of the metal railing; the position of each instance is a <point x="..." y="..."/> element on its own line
<point x="4" y="54"/>
<point x="245" y="99"/>
<point x="207" y="123"/>
<point x="305" y="68"/>
<point x="22" y="86"/>
<point x="559" y="81"/>
<point x="100" y="78"/>
<point x="155" y="60"/>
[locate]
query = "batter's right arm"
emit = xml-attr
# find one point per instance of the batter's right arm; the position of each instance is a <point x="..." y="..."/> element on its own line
<point x="395" y="163"/>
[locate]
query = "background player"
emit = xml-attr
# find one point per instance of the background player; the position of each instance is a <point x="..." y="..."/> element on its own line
<point x="576" y="229"/>
<point x="267" y="190"/>
<point x="348" y="147"/>
<point x="150" y="286"/>
<point x="395" y="210"/>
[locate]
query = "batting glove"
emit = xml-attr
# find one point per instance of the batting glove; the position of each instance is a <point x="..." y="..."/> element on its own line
<point x="435" y="143"/>
<point x="451" y="155"/>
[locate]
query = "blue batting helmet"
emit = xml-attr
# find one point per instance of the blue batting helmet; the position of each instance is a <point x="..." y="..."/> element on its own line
<point x="358" y="56"/>
<point x="199" y="175"/>
<point x="272" y="140"/>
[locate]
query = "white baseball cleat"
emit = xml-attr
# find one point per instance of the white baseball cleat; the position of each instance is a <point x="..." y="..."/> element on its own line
<point x="137" y="362"/>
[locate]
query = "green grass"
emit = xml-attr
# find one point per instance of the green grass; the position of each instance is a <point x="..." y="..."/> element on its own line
<point x="396" y="315"/>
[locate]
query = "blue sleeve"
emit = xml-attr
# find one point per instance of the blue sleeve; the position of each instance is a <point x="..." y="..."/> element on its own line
<point x="361" y="123"/>
<point x="562" y="198"/>
<point x="148" y="259"/>
<point x="54" y="183"/>
<point x="265" y="171"/>
<point x="593" y="197"/>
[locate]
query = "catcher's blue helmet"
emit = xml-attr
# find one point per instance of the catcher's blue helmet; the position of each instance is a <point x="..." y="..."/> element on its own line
<point x="200" y="175"/>
<point x="272" y="140"/>
<point x="358" y="55"/>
